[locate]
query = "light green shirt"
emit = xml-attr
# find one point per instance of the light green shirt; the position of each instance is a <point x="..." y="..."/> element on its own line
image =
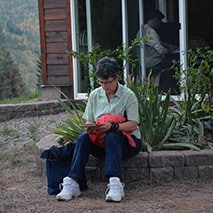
<point x="124" y="103"/>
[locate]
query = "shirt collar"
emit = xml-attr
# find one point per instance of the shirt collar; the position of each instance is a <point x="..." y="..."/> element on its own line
<point x="117" y="94"/>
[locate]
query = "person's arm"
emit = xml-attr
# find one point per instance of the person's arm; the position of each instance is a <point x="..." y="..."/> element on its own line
<point x="127" y="126"/>
<point x="132" y="114"/>
<point x="155" y="42"/>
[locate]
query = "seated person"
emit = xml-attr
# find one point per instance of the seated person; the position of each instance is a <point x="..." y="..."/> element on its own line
<point x="114" y="108"/>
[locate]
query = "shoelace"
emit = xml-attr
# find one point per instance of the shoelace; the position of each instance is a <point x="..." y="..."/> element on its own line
<point x="60" y="186"/>
<point x="114" y="186"/>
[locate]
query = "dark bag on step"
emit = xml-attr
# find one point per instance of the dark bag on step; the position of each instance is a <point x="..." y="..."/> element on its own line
<point x="58" y="164"/>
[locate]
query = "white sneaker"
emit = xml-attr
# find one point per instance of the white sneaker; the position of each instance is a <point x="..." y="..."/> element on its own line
<point x="115" y="190"/>
<point x="70" y="189"/>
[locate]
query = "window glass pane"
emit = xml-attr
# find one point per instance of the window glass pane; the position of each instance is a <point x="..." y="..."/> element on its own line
<point x="162" y="45"/>
<point x="169" y="35"/>
<point x="200" y="24"/>
<point x="105" y="28"/>
<point x="106" y="23"/>
<point x="81" y="42"/>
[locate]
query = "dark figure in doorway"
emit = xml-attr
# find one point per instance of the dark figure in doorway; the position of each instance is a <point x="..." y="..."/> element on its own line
<point x="169" y="34"/>
<point x="159" y="49"/>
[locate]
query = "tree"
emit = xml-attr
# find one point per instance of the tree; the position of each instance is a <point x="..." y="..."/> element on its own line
<point x="12" y="84"/>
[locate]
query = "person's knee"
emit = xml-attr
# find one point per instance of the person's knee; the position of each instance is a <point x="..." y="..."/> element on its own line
<point x="112" y="139"/>
<point x="83" y="136"/>
<point x="82" y="139"/>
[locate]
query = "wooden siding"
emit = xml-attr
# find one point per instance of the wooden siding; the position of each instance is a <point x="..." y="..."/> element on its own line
<point x="55" y="34"/>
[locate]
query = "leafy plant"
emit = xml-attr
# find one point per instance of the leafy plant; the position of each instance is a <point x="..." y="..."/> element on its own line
<point x="194" y="113"/>
<point x="156" y="122"/>
<point x="71" y="127"/>
<point x="123" y="53"/>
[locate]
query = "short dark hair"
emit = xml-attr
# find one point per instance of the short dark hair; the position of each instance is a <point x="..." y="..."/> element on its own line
<point x="156" y="14"/>
<point x="107" y="67"/>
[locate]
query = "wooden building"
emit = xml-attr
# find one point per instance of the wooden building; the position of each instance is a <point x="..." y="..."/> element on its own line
<point x="55" y="38"/>
<point x="79" y="24"/>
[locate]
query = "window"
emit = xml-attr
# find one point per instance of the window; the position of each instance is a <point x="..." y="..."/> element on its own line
<point x="94" y="22"/>
<point x="113" y="22"/>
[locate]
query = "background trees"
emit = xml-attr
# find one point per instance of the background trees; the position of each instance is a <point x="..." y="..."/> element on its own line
<point x="20" y="47"/>
<point x="11" y="79"/>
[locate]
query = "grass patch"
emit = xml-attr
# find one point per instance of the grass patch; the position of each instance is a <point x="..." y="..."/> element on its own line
<point x="32" y="130"/>
<point x="21" y="99"/>
<point x="17" y="157"/>
<point x="9" y="133"/>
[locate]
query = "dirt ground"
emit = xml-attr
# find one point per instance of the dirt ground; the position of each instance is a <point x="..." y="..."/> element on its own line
<point x="22" y="190"/>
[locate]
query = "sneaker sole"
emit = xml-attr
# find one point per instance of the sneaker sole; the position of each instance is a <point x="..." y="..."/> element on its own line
<point x="64" y="199"/>
<point x="113" y="199"/>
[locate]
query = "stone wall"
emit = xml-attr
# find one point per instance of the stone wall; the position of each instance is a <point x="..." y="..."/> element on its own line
<point x="163" y="165"/>
<point x="157" y="166"/>
<point x="11" y="111"/>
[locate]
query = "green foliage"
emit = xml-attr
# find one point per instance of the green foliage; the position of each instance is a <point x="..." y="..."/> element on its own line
<point x="194" y="113"/>
<point x="11" y="81"/>
<point x="123" y="53"/>
<point x="9" y="133"/>
<point x="71" y="127"/>
<point x="19" y="32"/>
<point x="156" y="122"/>
<point x="197" y="86"/>
<point x="21" y="99"/>
<point x="32" y="131"/>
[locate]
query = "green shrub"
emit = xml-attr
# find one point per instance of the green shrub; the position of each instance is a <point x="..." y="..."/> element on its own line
<point x="71" y="127"/>
<point x="157" y="124"/>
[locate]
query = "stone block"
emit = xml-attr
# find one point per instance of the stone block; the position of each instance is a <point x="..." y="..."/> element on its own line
<point x="24" y="107"/>
<point x="205" y="172"/>
<point x="97" y="162"/>
<point x="186" y="173"/>
<point x="7" y="108"/>
<point x="44" y="144"/>
<point x="199" y="158"/>
<point x="158" y="159"/>
<point x="134" y="174"/>
<point x="161" y="174"/>
<point x="46" y="105"/>
<point x="27" y="114"/>
<point x="13" y="115"/>
<point x="48" y="141"/>
<point x="138" y="161"/>
<point x="3" y="117"/>
<point x="50" y="92"/>
<point x="92" y="173"/>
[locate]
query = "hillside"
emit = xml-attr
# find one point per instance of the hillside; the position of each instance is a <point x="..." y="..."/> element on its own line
<point x="19" y="31"/>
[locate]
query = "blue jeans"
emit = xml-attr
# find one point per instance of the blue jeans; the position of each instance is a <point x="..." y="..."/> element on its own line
<point x="116" y="148"/>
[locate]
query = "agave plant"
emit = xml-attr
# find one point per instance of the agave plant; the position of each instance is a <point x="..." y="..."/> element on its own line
<point x="157" y="122"/>
<point x="156" y="125"/>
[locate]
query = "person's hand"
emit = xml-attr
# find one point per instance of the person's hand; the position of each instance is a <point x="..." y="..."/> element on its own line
<point x="105" y="127"/>
<point x="99" y="129"/>
<point x="169" y="47"/>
